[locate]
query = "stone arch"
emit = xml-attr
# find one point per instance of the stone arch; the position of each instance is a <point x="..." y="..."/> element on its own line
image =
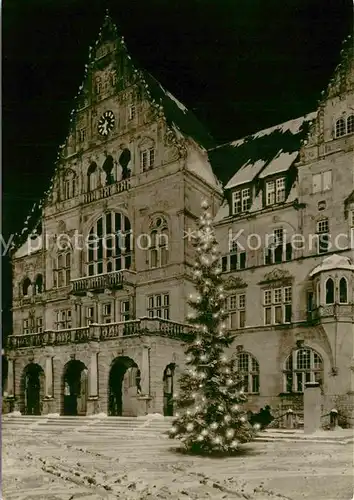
<point x="26" y="286"/>
<point x="168" y="389"/>
<point x="32" y="387"/>
<point x="123" y="387"/>
<point x="124" y="160"/>
<point x="74" y="388"/>
<point x="108" y="169"/>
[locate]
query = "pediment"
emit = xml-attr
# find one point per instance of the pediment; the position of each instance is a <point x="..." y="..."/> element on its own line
<point x="280" y="275"/>
<point x="233" y="282"/>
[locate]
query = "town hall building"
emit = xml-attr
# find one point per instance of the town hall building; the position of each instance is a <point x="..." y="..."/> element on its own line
<point x="100" y="286"/>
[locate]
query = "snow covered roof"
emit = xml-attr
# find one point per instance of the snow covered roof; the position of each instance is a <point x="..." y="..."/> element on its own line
<point x="333" y="262"/>
<point x="29" y="247"/>
<point x="264" y="153"/>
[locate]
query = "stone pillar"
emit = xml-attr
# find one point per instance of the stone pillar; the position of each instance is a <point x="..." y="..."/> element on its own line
<point x="145" y="370"/>
<point x="290" y="419"/>
<point x="92" y="402"/>
<point x="10" y="377"/>
<point x="48" y="401"/>
<point x="144" y="396"/>
<point x="312" y="407"/>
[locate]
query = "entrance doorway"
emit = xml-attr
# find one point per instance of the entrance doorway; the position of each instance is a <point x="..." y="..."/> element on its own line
<point x="75" y="388"/>
<point x="124" y="386"/>
<point x="32" y="389"/>
<point x="168" y="379"/>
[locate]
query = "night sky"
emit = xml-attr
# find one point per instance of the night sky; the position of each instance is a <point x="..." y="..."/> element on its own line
<point x="240" y="65"/>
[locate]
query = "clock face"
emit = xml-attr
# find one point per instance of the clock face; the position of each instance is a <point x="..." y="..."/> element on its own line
<point x="106" y="123"/>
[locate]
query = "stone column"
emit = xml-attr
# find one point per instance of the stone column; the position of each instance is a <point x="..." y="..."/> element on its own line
<point x="48" y="401"/>
<point x="144" y="395"/>
<point x="10" y="377"/>
<point x="312" y="407"/>
<point x="92" y="402"/>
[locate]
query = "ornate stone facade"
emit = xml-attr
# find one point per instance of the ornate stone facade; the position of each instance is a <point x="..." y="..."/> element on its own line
<point x="100" y="329"/>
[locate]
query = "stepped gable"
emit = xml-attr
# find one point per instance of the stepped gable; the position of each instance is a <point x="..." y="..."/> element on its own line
<point x="110" y="50"/>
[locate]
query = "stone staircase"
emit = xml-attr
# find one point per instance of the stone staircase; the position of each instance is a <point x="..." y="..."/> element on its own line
<point x="152" y="428"/>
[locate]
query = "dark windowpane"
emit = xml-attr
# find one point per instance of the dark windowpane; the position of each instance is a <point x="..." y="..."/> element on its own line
<point x="99" y="228"/>
<point x="268" y="257"/>
<point x="126" y="224"/>
<point x="108" y="223"/>
<point x="242" y="260"/>
<point x="289" y="251"/>
<point x="118" y="264"/>
<point x="287" y="313"/>
<point x="100" y="250"/>
<point x="91" y="269"/>
<point x="128" y="262"/>
<point x="224" y="264"/>
<point x="233" y="262"/>
<point x="118" y="223"/>
<point x="100" y="268"/>
<point x="278" y="254"/>
<point x="109" y="267"/>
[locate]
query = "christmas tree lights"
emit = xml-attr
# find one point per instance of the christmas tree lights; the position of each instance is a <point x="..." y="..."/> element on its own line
<point x="210" y="414"/>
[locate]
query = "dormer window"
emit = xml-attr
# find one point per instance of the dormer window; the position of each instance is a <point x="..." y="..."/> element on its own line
<point x="275" y="191"/>
<point x="241" y="201"/>
<point x="344" y="126"/>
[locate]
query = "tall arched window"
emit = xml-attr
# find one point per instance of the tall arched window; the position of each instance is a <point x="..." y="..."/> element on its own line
<point x="38" y="284"/>
<point x="329" y="291"/>
<point x="69" y="187"/>
<point x="26" y="286"/>
<point x="350" y="124"/>
<point x="110" y="244"/>
<point x="159" y="241"/>
<point x="343" y="291"/>
<point x="340" y="129"/>
<point x="62" y="270"/>
<point x="302" y="366"/>
<point x="109" y="170"/>
<point x="248" y="367"/>
<point x="92" y="177"/>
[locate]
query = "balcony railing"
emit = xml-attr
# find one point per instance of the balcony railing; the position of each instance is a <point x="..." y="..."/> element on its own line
<point x="331" y="311"/>
<point x="106" y="191"/>
<point x="97" y="282"/>
<point x="96" y="332"/>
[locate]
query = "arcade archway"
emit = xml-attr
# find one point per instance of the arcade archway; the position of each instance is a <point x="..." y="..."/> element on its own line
<point x="168" y="380"/>
<point x="32" y="389"/>
<point x="75" y="388"/>
<point x="124" y="386"/>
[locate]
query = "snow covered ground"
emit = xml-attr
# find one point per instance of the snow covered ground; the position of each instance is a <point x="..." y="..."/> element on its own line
<point x="92" y="464"/>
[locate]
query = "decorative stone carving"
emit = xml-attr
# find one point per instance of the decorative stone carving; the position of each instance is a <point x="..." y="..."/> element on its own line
<point x="234" y="282"/>
<point x="277" y="275"/>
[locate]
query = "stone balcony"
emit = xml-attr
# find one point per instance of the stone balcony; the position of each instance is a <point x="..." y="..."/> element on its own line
<point x="103" y="332"/>
<point x="331" y="312"/>
<point x="101" y="282"/>
<point x="106" y="191"/>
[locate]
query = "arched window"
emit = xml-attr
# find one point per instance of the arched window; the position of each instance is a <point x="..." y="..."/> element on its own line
<point x="26" y="287"/>
<point x="343" y="291"/>
<point x="340" y="128"/>
<point x="62" y="270"/>
<point x="248" y="367"/>
<point x="350" y="124"/>
<point x="69" y="188"/>
<point x="330" y="291"/>
<point x="38" y="284"/>
<point x="92" y="177"/>
<point x="124" y="160"/>
<point x="108" y="170"/>
<point x="302" y="366"/>
<point x="159" y="253"/>
<point x="110" y="245"/>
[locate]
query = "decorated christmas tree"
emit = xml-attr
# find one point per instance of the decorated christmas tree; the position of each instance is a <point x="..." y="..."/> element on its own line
<point x="210" y="415"/>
